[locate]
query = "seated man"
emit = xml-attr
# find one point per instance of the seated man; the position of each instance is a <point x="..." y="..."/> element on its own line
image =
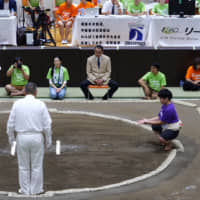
<point x="9" y="5"/>
<point x="112" y="7"/>
<point x="161" y="8"/>
<point x="98" y="72"/>
<point x="66" y="14"/>
<point x="84" y="4"/>
<point x="19" y="74"/>
<point x="192" y="78"/>
<point x="152" y="82"/>
<point x="136" y="8"/>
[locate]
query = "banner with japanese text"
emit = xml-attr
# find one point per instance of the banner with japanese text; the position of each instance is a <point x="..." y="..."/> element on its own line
<point x="174" y="32"/>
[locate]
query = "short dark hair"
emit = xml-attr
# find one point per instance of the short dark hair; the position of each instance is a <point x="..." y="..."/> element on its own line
<point x="99" y="47"/>
<point x="196" y="62"/>
<point x="17" y="59"/>
<point x="156" y="65"/>
<point x="30" y="88"/>
<point x="165" y="93"/>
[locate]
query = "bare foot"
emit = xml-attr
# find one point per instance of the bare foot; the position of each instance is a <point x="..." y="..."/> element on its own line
<point x="146" y="98"/>
<point x="168" y="147"/>
<point x="16" y="94"/>
<point x="154" y="97"/>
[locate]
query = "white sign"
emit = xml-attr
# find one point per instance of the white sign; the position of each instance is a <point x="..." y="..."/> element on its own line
<point x="110" y="30"/>
<point x="174" y="32"/>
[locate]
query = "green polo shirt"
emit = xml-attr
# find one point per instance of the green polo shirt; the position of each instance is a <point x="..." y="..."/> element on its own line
<point x="58" y="2"/>
<point x="35" y="3"/>
<point x="155" y="82"/>
<point x="161" y="9"/>
<point x="17" y="77"/>
<point x="65" y="74"/>
<point x="133" y="9"/>
<point x="125" y="3"/>
<point x="198" y="4"/>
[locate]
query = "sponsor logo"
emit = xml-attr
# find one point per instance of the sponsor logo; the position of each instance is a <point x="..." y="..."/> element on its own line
<point x="136" y="33"/>
<point x="170" y="30"/>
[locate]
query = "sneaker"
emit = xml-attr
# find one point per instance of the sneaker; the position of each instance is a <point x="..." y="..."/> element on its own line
<point x="105" y="97"/>
<point x="64" y="41"/>
<point x="90" y="98"/>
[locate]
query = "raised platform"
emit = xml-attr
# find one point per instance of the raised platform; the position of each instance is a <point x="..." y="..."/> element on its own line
<point x="122" y="93"/>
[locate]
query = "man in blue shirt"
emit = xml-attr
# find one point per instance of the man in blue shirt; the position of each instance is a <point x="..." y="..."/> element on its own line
<point x="8" y="5"/>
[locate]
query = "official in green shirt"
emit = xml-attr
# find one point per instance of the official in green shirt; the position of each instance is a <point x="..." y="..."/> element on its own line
<point x="34" y="3"/>
<point x="58" y="77"/>
<point x="125" y="3"/>
<point x="19" y="74"/>
<point x="136" y="8"/>
<point x="152" y="82"/>
<point x="160" y="8"/>
<point x="58" y="2"/>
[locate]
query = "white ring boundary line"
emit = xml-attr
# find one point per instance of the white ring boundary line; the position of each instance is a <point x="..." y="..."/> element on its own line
<point x="185" y="103"/>
<point x="198" y="110"/>
<point x="83" y="101"/>
<point x="161" y="168"/>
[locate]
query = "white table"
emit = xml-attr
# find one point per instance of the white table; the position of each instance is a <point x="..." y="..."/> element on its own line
<point x="8" y="30"/>
<point x="174" y="32"/>
<point x="110" y="30"/>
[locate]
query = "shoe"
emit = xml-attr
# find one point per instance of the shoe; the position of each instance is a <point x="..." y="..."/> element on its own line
<point x="64" y="42"/>
<point x="105" y="97"/>
<point x="90" y="98"/>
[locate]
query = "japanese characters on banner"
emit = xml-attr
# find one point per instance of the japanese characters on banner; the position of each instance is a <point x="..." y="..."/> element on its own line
<point x="110" y="30"/>
<point x="130" y="31"/>
<point x="174" y="32"/>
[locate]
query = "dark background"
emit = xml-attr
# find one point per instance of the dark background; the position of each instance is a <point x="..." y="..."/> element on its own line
<point x="128" y="64"/>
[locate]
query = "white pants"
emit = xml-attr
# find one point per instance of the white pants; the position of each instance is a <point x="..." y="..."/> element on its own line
<point x="30" y="153"/>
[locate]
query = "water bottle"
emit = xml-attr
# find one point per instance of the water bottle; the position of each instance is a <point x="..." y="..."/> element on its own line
<point x="98" y="2"/>
<point x="181" y="83"/>
<point x="79" y="12"/>
<point x="82" y="12"/>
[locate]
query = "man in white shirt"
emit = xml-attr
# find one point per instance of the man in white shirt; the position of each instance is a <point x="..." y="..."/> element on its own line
<point x="29" y="117"/>
<point x="112" y="7"/>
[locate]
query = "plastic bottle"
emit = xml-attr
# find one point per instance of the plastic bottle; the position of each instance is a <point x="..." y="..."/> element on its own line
<point x="181" y="83"/>
<point x="82" y="12"/>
